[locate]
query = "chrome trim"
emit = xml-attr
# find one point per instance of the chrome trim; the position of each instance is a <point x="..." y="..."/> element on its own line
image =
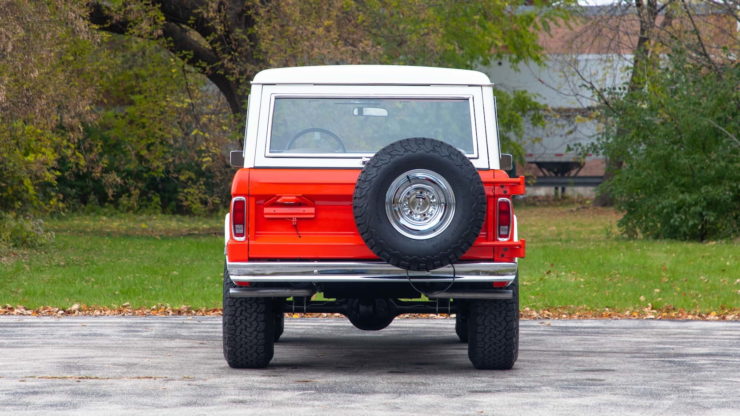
<point x="269" y="153"/>
<point x="264" y="91"/>
<point x="344" y="272"/>
<point x="246" y="219"/>
<point x="511" y="221"/>
<point x="420" y="204"/>
<point x="256" y="292"/>
<point x="483" y="294"/>
<point x="227" y="231"/>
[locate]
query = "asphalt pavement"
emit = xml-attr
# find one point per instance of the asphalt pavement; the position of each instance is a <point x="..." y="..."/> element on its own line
<point x="174" y="365"/>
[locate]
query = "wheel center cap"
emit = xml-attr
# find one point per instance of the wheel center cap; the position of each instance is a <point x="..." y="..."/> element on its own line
<point x="419" y="204"/>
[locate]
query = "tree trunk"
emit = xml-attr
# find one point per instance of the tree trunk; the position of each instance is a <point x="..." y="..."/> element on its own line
<point x="647" y="13"/>
<point x="216" y="42"/>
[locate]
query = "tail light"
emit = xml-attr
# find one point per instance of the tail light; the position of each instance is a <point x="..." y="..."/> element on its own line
<point x="503" y="213"/>
<point x="239" y="218"/>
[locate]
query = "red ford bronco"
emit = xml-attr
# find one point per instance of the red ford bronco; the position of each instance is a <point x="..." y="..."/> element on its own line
<point x="382" y="188"/>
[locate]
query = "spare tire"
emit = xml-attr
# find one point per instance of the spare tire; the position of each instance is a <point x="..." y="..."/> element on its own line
<point x="419" y="204"/>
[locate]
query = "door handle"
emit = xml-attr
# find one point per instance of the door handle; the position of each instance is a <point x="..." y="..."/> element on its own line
<point x="289" y="207"/>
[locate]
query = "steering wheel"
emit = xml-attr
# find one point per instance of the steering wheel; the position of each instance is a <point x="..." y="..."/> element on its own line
<point x="326" y="132"/>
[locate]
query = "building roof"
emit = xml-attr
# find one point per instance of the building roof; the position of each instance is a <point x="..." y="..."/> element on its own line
<point x="371" y="75"/>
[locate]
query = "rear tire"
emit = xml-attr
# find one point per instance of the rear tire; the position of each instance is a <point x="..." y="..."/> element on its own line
<point x="461" y="324"/>
<point x="279" y="324"/>
<point x="493" y="332"/>
<point x="248" y="329"/>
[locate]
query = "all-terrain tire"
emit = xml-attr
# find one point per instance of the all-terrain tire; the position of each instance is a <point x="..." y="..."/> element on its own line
<point x="493" y="332"/>
<point x="248" y="329"/>
<point x="374" y="224"/>
<point x="279" y="324"/>
<point x="461" y="323"/>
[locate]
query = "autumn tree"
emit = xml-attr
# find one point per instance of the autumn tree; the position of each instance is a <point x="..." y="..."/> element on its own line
<point x="230" y="40"/>
<point x="44" y="99"/>
<point x="91" y="118"/>
<point x="671" y="136"/>
<point x="111" y="102"/>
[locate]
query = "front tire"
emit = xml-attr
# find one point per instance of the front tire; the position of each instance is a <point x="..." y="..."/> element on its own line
<point x="279" y="323"/>
<point x="461" y="324"/>
<point x="248" y="329"/>
<point x="493" y="332"/>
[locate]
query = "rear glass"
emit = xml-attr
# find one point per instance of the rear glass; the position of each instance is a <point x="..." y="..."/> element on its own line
<point x="357" y="125"/>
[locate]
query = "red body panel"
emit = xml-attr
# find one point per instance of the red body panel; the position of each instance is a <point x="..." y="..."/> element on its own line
<point x="306" y="214"/>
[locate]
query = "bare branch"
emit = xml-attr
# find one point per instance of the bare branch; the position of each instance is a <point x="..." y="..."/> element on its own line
<point x="706" y="54"/>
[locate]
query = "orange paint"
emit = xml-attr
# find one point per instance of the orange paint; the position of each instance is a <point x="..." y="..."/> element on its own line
<point x="307" y="214"/>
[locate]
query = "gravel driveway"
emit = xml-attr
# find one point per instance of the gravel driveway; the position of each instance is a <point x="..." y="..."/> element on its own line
<point x="174" y="365"/>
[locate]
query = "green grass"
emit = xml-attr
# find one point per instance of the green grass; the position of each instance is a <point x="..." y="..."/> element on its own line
<point x="574" y="259"/>
<point x="112" y="260"/>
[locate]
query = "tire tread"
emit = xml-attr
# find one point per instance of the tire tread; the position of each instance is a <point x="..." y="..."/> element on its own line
<point x="369" y="177"/>
<point x="248" y="329"/>
<point x="493" y="332"/>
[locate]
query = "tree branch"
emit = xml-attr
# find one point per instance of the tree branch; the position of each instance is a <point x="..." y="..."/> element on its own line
<point x="192" y="51"/>
<point x="704" y="51"/>
<point x="205" y="60"/>
<point x="183" y="22"/>
<point x="188" y="13"/>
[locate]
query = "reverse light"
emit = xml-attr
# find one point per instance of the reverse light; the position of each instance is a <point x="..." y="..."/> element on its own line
<point x="503" y="213"/>
<point x="239" y="218"/>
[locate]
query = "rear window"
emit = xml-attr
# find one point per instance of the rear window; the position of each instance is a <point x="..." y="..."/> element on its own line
<point x="346" y="126"/>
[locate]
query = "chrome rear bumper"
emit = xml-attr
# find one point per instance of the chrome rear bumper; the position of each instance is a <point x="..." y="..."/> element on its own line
<point x="348" y="272"/>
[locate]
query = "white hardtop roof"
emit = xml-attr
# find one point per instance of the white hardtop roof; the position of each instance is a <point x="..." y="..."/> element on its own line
<point x="371" y="75"/>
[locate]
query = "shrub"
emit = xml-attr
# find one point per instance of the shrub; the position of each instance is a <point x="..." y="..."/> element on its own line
<point x="677" y="141"/>
<point x="157" y="142"/>
<point x="22" y="232"/>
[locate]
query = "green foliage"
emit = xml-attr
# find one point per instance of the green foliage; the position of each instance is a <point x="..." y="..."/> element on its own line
<point x="90" y="119"/>
<point x="19" y="232"/>
<point x="43" y="100"/>
<point x="678" y="143"/>
<point x="311" y="32"/>
<point x="28" y="156"/>
<point x="460" y="34"/>
<point x="416" y="32"/>
<point x="156" y="144"/>
<point x="100" y="120"/>
<point x="466" y="35"/>
<point x="151" y="259"/>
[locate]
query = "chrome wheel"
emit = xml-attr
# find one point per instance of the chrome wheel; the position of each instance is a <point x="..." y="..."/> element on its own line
<point x="420" y="204"/>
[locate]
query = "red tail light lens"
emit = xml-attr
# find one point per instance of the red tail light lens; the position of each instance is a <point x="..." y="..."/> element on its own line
<point x="504" y="218"/>
<point x="239" y="218"/>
